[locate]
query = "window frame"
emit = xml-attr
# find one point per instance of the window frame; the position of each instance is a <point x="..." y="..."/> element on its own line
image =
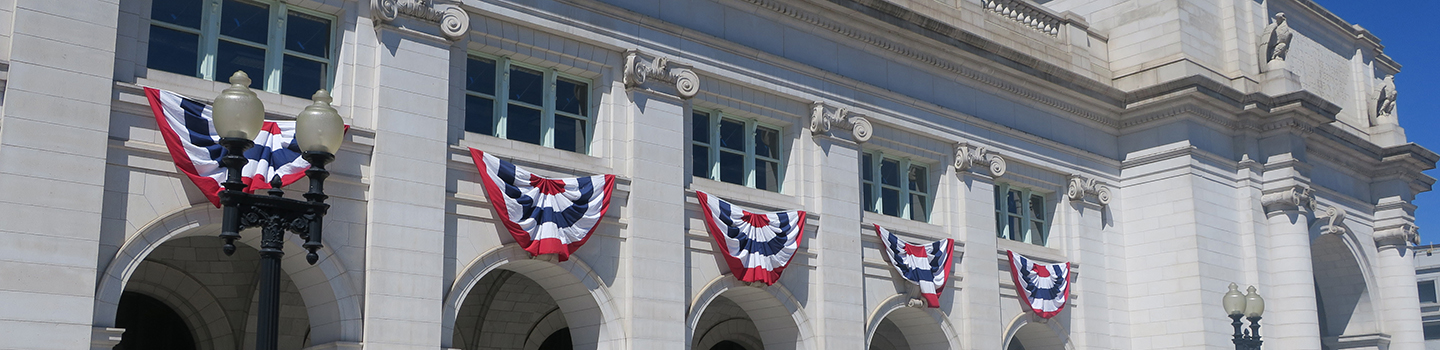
<point x="751" y="125"/>
<point x="905" y="164"/>
<point x="1433" y="292"/>
<point x="501" y="100"/>
<point x="275" y="51"/>
<point x="1027" y="215"/>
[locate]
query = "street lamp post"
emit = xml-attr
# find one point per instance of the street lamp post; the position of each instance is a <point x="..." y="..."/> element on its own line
<point x="1250" y="306"/>
<point x="239" y="115"/>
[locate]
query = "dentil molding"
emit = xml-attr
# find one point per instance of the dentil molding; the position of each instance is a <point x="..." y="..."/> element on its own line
<point x="823" y="116"/>
<point x="1086" y="188"/>
<point x="453" y="20"/>
<point x="638" y="70"/>
<point x="967" y="156"/>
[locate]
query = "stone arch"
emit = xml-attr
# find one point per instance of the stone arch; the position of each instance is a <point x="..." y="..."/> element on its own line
<point x="767" y="307"/>
<point x="1344" y="298"/>
<point x="548" y="324"/>
<point x="1044" y="334"/>
<point x="584" y="301"/>
<point x="333" y="307"/>
<point x="930" y="328"/>
<point x="191" y="300"/>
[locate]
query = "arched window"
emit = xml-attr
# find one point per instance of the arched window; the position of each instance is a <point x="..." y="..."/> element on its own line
<point x="150" y="324"/>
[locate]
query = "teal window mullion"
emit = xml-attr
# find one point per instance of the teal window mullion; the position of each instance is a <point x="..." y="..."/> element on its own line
<point x="715" y="145"/>
<point x="502" y="96"/>
<point x="209" y="42"/>
<point x="275" y="48"/>
<point x="547" y="113"/>
<point x="905" y="189"/>
<point x="749" y="153"/>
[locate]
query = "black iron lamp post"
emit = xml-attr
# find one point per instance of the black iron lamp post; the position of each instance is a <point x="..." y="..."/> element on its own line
<point x="239" y="115"/>
<point x="1250" y="306"/>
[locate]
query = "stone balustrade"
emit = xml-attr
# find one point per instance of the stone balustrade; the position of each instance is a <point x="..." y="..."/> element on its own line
<point x="1026" y="13"/>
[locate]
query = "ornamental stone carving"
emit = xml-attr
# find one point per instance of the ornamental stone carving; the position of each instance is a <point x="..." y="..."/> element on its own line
<point x="453" y="20"/>
<point x="823" y="116"/>
<point x="1333" y="218"/>
<point x="1382" y="101"/>
<point x="638" y="70"/>
<point x="1397" y="235"/>
<point x="1275" y="42"/>
<point x="1286" y="199"/>
<point x="1083" y="188"/>
<point x="967" y="156"/>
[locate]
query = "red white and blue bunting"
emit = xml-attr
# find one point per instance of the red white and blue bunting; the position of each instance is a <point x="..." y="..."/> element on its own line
<point x="189" y="133"/>
<point x="545" y="216"/>
<point x="1043" y="288"/>
<point x="927" y="265"/>
<point x="757" y="246"/>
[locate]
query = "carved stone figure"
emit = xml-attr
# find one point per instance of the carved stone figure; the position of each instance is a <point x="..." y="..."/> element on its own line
<point x="1275" y="40"/>
<point x="1382" y="101"/>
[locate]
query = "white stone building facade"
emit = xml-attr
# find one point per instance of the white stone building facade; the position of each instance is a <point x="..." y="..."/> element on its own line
<point x="1165" y="147"/>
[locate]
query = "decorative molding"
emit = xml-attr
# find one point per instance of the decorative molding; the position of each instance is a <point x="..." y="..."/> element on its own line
<point x="822" y="118"/>
<point x="1025" y="13"/>
<point x="1285" y="199"/>
<point x="966" y="157"/>
<point x="1397" y="235"/>
<point x="1335" y="224"/>
<point x="453" y="21"/>
<point x="638" y="70"/>
<point x="1082" y="188"/>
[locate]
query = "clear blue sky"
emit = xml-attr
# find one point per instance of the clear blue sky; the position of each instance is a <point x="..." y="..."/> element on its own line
<point x="1411" y="36"/>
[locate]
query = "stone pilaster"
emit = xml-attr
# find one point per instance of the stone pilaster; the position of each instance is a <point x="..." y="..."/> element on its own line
<point x="1089" y="201"/>
<point x="1396" y="272"/>
<point x="841" y="308"/>
<point x="981" y="325"/>
<point x="1291" y="318"/>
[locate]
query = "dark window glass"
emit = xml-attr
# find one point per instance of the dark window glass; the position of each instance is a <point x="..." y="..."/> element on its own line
<point x="1037" y="232"/>
<point x="570" y="96"/>
<point x="174" y="51"/>
<point x="767" y="175"/>
<point x="868" y="192"/>
<point x="866" y="172"/>
<point x="231" y="57"/>
<point x="890" y="172"/>
<point x="185" y="13"/>
<point x="732" y="168"/>
<point x="890" y="201"/>
<point x="307" y="34"/>
<point x="919" y="208"/>
<point x="700" y="127"/>
<point x="700" y="156"/>
<point x="1012" y="202"/>
<point x="1037" y="207"/>
<point x="480" y="115"/>
<point x="246" y="21"/>
<point x="301" y="77"/>
<point x="569" y="134"/>
<point x="480" y="76"/>
<point x="1432" y="331"/>
<point x="918" y="180"/>
<point x="732" y="135"/>
<point x="527" y="85"/>
<point x="767" y="142"/>
<point x="1014" y="229"/>
<point x="523" y="124"/>
<point x="1427" y="291"/>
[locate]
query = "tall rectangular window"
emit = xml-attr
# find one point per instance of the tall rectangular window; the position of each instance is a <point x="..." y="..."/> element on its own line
<point x="741" y="152"/>
<point x="283" y="49"/>
<point x="529" y="104"/>
<point x="894" y="187"/>
<point x="1427" y="291"/>
<point x="1020" y="215"/>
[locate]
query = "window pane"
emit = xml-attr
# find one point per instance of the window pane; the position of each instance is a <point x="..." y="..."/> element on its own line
<point x="570" y="96"/>
<point x="767" y="142"/>
<point x="179" y="12"/>
<point x="889" y="172"/>
<point x="245" y="20"/>
<point x="700" y="161"/>
<point x="700" y="127"/>
<point x="1432" y="331"/>
<point x="1000" y="225"/>
<point x="868" y="193"/>
<point x="767" y="175"/>
<point x="301" y="77"/>
<point x="1037" y="232"/>
<point x="1037" y="207"/>
<point x="1012" y="202"/>
<point x="570" y="134"/>
<point x="866" y="171"/>
<point x="1014" y="229"/>
<point x="523" y="124"/>
<point x="1427" y="291"/>
<point x="919" y="208"/>
<point x="307" y="34"/>
<point x="732" y="135"/>
<point x="479" y="115"/>
<point x="174" y="51"/>
<point x="732" y="168"/>
<point x="890" y="201"/>
<point x="918" y="181"/>
<point x="527" y="85"/>
<point x="480" y="75"/>
<point x="231" y="57"/>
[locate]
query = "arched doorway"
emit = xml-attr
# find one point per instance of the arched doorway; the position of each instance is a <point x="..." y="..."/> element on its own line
<point x="1028" y="332"/>
<point x="907" y="328"/>
<point x="725" y="325"/>
<point x="508" y="311"/>
<point x="888" y="337"/>
<point x="728" y="345"/>
<point x="150" y="324"/>
<point x="775" y="314"/>
<point x="566" y="295"/>
<point x="1342" y="294"/>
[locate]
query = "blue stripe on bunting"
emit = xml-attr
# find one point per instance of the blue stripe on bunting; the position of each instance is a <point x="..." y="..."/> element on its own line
<point x="199" y="128"/>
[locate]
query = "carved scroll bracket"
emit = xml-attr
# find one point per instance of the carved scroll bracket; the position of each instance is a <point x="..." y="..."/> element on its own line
<point x="453" y="20"/>
<point x="1285" y="199"/>
<point x="967" y="156"/>
<point x="823" y="116"/>
<point x="1333" y="218"/>
<point x="638" y="70"/>
<point x="1083" y="188"/>
<point x="1397" y="235"/>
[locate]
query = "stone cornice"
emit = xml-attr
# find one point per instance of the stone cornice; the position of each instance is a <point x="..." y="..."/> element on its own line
<point x="823" y="116"/>
<point x="1088" y="189"/>
<point x="454" y="22"/>
<point x="659" y="68"/>
<point x="967" y="156"/>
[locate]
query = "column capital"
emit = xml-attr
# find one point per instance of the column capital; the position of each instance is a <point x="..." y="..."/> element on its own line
<point x="967" y="156"/>
<point x="660" y="68"/>
<point x="1088" y="189"/>
<point x="1396" y="235"/>
<point x="824" y="115"/>
<point x="453" y="21"/>
<point x="1288" y="198"/>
